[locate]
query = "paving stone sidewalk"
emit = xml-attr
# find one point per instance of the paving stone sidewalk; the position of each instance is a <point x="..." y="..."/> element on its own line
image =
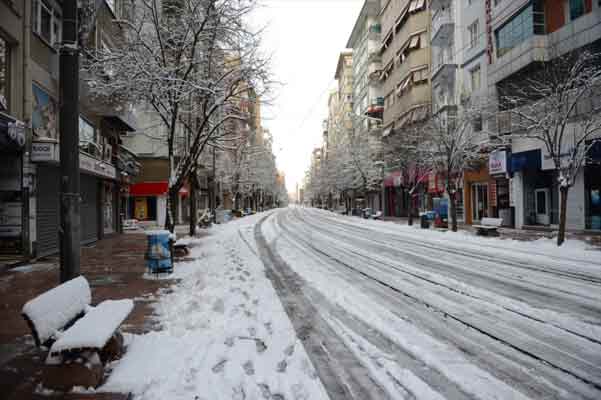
<point x="114" y="267"/>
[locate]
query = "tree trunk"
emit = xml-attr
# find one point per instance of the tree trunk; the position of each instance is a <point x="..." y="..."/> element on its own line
<point x="410" y="222"/>
<point x="453" y="201"/>
<point x="171" y="210"/>
<point x="561" y="235"/>
<point x="193" y="210"/>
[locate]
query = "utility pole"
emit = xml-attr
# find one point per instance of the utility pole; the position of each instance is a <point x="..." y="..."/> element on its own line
<point x="69" y="145"/>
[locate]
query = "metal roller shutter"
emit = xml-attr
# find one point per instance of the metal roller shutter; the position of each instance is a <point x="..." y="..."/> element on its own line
<point x="48" y="210"/>
<point x="89" y="208"/>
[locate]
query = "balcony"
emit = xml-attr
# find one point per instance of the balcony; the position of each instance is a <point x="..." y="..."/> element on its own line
<point x="374" y="69"/>
<point x="443" y="25"/>
<point x="444" y="104"/>
<point x="444" y="67"/>
<point x="376" y="108"/>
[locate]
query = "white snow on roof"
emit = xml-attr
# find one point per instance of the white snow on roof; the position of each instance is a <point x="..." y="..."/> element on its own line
<point x="52" y="310"/>
<point x="95" y="328"/>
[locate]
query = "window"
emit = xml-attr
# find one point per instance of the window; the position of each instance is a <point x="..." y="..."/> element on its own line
<point x="414" y="43"/>
<point x="4" y="74"/>
<point x="87" y="135"/>
<point x="473" y="32"/>
<point x="46" y="22"/>
<point x="576" y="9"/>
<point x="111" y="5"/>
<point x="477" y="123"/>
<point x="475" y="78"/>
<point x="421" y="75"/>
<point x="416" y="5"/>
<point x="528" y="22"/>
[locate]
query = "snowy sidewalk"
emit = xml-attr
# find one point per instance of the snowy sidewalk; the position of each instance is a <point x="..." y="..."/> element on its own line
<point x="223" y="333"/>
<point x="114" y="266"/>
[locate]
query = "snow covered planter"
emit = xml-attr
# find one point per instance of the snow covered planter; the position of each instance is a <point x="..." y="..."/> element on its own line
<point x="81" y="338"/>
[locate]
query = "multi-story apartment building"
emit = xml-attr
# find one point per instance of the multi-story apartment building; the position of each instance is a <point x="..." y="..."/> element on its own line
<point x="365" y="42"/>
<point x="459" y="66"/>
<point x="368" y="104"/>
<point x="521" y="36"/>
<point x="405" y="81"/>
<point x="30" y="35"/>
<point x="344" y="76"/>
<point x="405" y="52"/>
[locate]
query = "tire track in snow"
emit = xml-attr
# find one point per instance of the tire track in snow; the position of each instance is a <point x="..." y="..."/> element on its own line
<point x="339" y="370"/>
<point x="456" y="317"/>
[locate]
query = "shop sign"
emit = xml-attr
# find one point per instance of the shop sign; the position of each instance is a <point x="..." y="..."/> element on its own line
<point x="44" y="152"/>
<point x="493" y="193"/>
<point x="511" y="193"/>
<point x="497" y="162"/>
<point x="96" y="167"/>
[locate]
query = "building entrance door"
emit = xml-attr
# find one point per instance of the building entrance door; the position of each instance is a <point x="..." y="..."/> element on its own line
<point x="541" y="203"/>
<point x="479" y="201"/>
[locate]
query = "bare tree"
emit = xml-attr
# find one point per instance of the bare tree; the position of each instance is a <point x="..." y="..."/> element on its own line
<point x="188" y="60"/>
<point x="451" y="145"/>
<point x="559" y="106"/>
<point x="405" y="153"/>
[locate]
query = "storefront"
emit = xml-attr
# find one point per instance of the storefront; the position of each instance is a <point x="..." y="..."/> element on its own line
<point x="148" y="202"/>
<point x="13" y="196"/>
<point x="538" y="188"/>
<point x="592" y="188"/>
<point x="436" y="199"/>
<point x="96" y="180"/>
<point x="396" y="203"/>
<point x="499" y="187"/>
<point x="477" y="185"/>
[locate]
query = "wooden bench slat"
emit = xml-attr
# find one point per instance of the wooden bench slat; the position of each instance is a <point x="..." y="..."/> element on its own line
<point x="95" y="329"/>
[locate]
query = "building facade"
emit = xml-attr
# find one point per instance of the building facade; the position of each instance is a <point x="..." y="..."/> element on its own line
<point x="405" y="85"/>
<point x="368" y="104"/>
<point x="30" y="36"/>
<point x="522" y="36"/>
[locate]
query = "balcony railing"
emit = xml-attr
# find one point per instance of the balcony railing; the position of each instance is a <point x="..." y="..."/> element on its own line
<point x="446" y="60"/>
<point x="441" y="18"/>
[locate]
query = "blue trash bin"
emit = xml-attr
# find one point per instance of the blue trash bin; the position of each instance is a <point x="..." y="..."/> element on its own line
<point x="158" y="253"/>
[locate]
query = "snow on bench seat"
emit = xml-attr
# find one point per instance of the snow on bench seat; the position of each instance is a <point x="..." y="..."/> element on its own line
<point x="488" y="225"/>
<point x="52" y="310"/>
<point x="95" y="329"/>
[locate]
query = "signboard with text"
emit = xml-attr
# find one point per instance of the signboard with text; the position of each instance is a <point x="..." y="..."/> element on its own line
<point x="497" y="162"/>
<point x="49" y="152"/>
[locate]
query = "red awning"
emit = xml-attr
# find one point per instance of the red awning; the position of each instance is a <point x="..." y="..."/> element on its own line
<point x="389" y="181"/>
<point x="152" y="189"/>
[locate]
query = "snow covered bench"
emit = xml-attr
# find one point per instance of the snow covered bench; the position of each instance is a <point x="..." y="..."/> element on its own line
<point x="377" y="215"/>
<point x="81" y="338"/>
<point x="488" y="226"/>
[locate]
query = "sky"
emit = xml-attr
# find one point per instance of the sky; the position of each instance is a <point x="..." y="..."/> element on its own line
<point x="304" y="38"/>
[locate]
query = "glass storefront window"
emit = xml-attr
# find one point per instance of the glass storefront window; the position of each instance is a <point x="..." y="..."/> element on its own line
<point x="528" y="22"/>
<point x="576" y="9"/>
<point x="479" y="201"/>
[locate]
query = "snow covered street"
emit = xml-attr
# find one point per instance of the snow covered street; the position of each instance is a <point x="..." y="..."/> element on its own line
<point x="306" y="304"/>
<point x="432" y="314"/>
